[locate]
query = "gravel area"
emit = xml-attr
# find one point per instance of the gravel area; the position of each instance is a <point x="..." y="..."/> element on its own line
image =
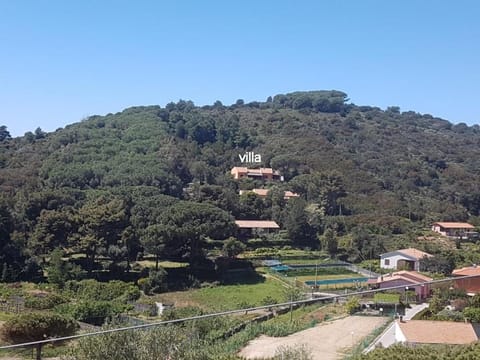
<point x="328" y="341"/>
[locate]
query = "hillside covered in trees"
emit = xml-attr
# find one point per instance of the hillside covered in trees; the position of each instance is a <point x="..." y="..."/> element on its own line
<point x="156" y="180"/>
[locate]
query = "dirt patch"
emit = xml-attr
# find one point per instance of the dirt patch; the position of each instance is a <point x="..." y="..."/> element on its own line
<point x="327" y="340"/>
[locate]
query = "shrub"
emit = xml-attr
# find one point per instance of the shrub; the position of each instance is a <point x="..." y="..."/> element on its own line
<point x="155" y="283"/>
<point x="48" y="301"/>
<point x="449" y="315"/>
<point x="37" y="326"/>
<point x="92" y="312"/>
<point x="472" y="314"/>
<point x="100" y="291"/>
<point x="268" y="300"/>
<point x="352" y="305"/>
<point x="298" y="352"/>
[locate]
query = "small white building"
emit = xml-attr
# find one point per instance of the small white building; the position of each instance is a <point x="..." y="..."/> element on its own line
<point x="405" y="259"/>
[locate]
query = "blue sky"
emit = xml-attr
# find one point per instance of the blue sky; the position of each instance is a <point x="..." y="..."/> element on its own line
<point x="61" y="61"/>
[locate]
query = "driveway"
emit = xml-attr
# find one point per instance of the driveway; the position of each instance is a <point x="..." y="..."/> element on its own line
<point x="327" y="341"/>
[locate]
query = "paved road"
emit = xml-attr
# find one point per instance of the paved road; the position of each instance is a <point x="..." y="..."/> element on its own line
<point x="388" y="336"/>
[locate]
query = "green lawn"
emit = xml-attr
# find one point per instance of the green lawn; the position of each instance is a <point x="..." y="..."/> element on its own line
<point x="387" y="298"/>
<point x="164" y="264"/>
<point x="320" y="260"/>
<point x="5" y="316"/>
<point x="226" y="297"/>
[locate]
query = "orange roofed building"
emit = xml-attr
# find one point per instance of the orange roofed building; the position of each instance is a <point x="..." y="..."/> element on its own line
<point x="248" y="228"/>
<point x="407" y="279"/>
<point x="470" y="285"/>
<point x="264" y="192"/>
<point x="259" y="174"/>
<point x="457" y="229"/>
<point x="414" y="332"/>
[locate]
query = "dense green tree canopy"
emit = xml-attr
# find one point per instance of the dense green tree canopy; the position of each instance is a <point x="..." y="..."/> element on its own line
<point x="95" y="187"/>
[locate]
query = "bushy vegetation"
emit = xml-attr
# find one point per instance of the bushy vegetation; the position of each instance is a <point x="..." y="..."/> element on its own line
<point x="424" y="352"/>
<point x="154" y="180"/>
<point x="36" y="326"/>
<point x="201" y="339"/>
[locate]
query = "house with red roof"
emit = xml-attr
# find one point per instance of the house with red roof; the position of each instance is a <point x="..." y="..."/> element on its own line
<point x="268" y="174"/>
<point x="454" y="229"/>
<point x="416" y="332"/>
<point x="264" y="192"/>
<point x="471" y="285"/>
<point x="408" y="280"/>
<point x="247" y="228"/>
<point x="404" y="259"/>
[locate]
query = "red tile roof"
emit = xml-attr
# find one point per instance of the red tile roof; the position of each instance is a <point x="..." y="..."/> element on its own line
<point x="438" y="332"/>
<point x="259" y="192"/>
<point x="409" y="276"/>
<point x="455" y="225"/>
<point x="415" y="253"/>
<point x="259" y="171"/>
<point x="257" y="224"/>
<point x="289" y="194"/>
<point x="239" y="169"/>
<point x="410" y="252"/>
<point x="465" y="271"/>
<point x="264" y="192"/>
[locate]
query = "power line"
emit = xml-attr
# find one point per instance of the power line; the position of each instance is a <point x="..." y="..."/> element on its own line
<point x="230" y="312"/>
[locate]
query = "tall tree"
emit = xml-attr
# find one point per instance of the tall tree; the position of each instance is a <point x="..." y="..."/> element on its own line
<point x="52" y="230"/>
<point x="300" y="231"/>
<point x="4" y="134"/>
<point x="155" y="239"/>
<point x="191" y="223"/>
<point x="101" y="223"/>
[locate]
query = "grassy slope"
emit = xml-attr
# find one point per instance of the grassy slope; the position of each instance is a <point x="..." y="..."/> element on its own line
<point x="227" y="296"/>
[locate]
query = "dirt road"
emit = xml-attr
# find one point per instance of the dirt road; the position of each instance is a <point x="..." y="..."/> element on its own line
<point x="326" y="340"/>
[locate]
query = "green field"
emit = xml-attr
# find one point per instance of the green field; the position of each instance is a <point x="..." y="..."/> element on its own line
<point x="327" y="277"/>
<point x="321" y="260"/>
<point x="225" y="297"/>
<point x="387" y="298"/>
<point x="164" y="264"/>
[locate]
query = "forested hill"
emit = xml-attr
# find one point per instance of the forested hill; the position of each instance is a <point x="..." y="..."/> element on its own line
<point x="385" y="168"/>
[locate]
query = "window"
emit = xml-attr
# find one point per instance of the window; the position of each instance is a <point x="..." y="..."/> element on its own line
<point x="387" y="261"/>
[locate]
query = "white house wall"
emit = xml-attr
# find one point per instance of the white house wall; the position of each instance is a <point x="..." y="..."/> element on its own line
<point x="394" y="260"/>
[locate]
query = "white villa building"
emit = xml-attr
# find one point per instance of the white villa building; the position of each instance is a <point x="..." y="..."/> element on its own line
<point x="405" y="259"/>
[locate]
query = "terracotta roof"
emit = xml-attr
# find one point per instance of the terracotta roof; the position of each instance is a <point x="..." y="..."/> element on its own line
<point x="257" y="224"/>
<point x="291" y="194"/>
<point x="259" y="192"/>
<point x="264" y="192"/>
<point x="415" y="253"/>
<point x="455" y="225"/>
<point x="410" y="252"/>
<point x="465" y="271"/>
<point x="438" y="332"/>
<point x="412" y="277"/>
<point x="254" y="171"/>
